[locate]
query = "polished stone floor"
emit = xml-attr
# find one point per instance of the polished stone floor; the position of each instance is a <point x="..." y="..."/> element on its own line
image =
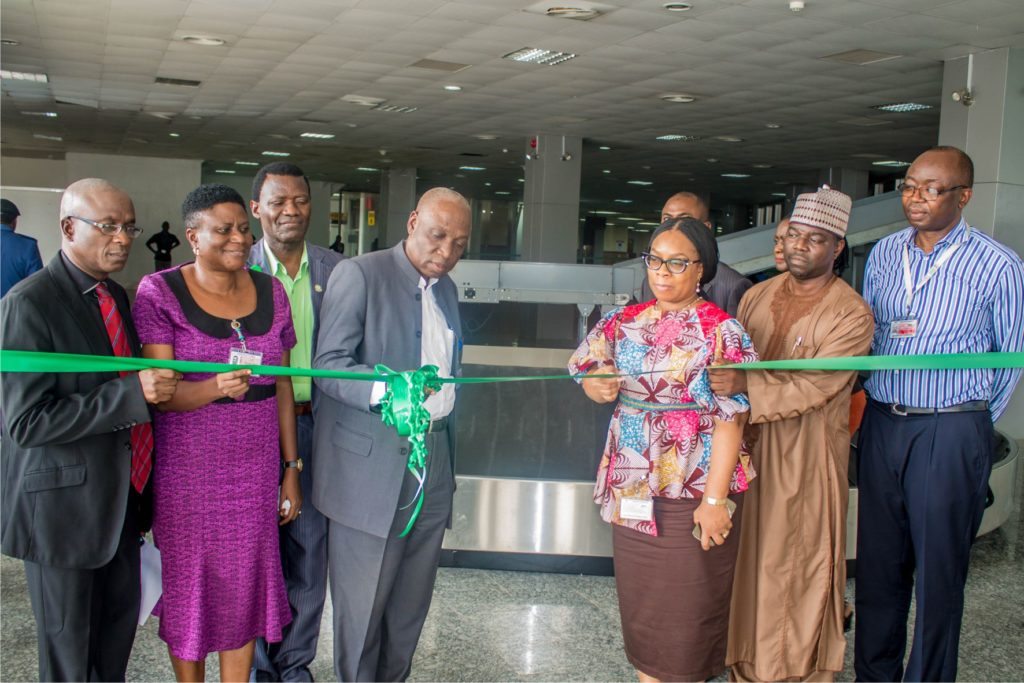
<point x="513" y="626"/>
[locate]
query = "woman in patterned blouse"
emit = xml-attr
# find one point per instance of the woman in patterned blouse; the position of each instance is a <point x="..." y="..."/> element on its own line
<point x="673" y="458"/>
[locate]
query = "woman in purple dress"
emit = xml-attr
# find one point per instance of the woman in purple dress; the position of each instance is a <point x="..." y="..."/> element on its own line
<point x="219" y="443"/>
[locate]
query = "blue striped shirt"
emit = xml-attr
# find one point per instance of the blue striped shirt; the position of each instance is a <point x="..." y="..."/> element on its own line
<point x="973" y="304"/>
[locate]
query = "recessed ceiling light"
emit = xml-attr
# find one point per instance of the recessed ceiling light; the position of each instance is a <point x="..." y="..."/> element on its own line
<point x="502" y="192"/>
<point x="23" y="76"/>
<point x="678" y="97"/>
<point x="779" y="194"/>
<point x="607" y="213"/>
<point x="269" y="153"/>
<point x="712" y="160"/>
<point x="901" y="107"/>
<point x="628" y="218"/>
<point x="207" y="41"/>
<point x="228" y="171"/>
<point x="487" y="184"/>
<point x="652" y="223"/>
<point x="891" y="163"/>
<point x="761" y="165"/>
<point x="472" y="168"/>
<point x="520" y="180"/>
<point x="47" y="114"/>
<point x="773" y="125"/>
<point x="677" y="6"/>
<point x="363" y="100"/>
<point x="9" y="43"/>
<point x="623" y="201"/>
<point x="486" y="136"/>
<point x="174" y="135"/>
<point x="318" y="136"/>
<point x="366" y="169"/>
<point x="728" y="138"/>
<point x="247" y="163"/>
<point x="604" y="148"/>
<point x="735" y="175"/>
<point x="582" y="13"/>
<point x="680" y="138"/>
<point x="395" y="108"/>
<point x="55" y="138"/>
<point x="639" y="182"/>
<point x="533" y="55"/>
<point x="606" y="170"/>
<point x="453" y="88"/>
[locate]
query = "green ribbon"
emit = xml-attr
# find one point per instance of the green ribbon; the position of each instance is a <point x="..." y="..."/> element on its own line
<point x="402" y="403"/>
<point x="402" y="408"/>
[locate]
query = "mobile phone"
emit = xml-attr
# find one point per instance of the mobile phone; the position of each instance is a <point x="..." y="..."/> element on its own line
<point x="730" y="508"/>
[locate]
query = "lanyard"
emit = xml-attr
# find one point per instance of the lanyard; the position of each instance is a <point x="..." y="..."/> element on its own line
<point x="908" y="281"/>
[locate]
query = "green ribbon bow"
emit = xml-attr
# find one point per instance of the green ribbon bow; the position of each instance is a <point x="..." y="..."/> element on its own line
<point x="402" y="408"/>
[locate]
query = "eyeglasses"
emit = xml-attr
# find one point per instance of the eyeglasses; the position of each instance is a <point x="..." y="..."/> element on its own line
<point x="927" y="193"/>
<point x="111" y="228"/>
<point x="676" y="266"/>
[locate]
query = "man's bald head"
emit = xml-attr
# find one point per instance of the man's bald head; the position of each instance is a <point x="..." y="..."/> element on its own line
<point x="83" y="191"/>
<point x="84" y="205"/>
<point x="686" y="205"/>
<point x="437" y="195"/>
<point x="438" y="231"/>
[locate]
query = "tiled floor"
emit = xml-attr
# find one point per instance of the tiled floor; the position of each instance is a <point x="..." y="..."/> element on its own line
<point x="512" y="626"/>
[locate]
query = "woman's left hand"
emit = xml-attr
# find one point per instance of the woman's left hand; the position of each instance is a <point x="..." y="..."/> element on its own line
<point x="291" y="492"/>
<point x="715" y="524"/>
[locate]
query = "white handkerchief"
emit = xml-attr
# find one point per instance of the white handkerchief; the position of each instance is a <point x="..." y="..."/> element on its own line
<point x="152" y="583"/>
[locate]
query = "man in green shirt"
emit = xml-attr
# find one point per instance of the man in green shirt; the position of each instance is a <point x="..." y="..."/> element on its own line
<point x="281" y="202"/>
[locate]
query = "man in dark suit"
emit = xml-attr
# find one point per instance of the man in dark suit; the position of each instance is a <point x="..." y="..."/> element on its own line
<point x="728" y="286"/>
<point x="397" y="307"/>
<point x="77" y="447"/>
<point x="281" y="203"/>
<point x="19" y="254"/>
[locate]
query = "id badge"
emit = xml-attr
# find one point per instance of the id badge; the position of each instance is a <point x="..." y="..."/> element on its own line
<point x="899" y="329"/>
<point x="637" y="508"/>
<point x="245" y="357"/>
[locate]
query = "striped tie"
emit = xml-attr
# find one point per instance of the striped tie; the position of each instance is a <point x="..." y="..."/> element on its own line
<point x="142" y="434"/>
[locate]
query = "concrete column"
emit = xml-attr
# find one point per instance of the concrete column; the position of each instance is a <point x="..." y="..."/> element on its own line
<point x="551" y="200"/>
<point x="991" y="131"/>
<point x="852" y="181"/>
<point x="397" y="200"/>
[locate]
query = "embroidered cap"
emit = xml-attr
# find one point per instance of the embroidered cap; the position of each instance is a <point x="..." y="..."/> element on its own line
<point x="827" y="209"/>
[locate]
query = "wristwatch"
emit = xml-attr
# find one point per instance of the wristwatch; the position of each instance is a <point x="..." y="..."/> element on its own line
<point x="296" y="464"/>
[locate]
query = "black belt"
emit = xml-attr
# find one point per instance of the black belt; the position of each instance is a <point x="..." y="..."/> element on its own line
<point x="903" y="411"/>
<point x="438" y="425"/>
<point x="256" y="392"/>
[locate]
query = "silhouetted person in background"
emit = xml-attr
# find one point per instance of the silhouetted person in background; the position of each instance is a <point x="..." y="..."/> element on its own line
<point x="161" y="245"/>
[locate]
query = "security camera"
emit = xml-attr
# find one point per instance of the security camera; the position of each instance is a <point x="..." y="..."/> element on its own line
<point x="566" y="157"/>
<point x="964" y="97"/>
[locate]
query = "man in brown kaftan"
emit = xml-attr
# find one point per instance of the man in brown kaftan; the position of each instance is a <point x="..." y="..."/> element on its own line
<point x="787" y="603"/>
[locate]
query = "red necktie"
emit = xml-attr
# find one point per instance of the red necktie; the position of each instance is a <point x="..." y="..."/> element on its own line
<point x="142" y="434"/>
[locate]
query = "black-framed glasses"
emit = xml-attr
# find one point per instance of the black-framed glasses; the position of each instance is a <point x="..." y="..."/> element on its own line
<point x="676" y="266"/>
<point x="111" y="229"/>
<point x="926" y="192"/>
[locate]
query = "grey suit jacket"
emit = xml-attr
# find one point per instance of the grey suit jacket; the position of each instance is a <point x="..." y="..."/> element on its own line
<point x="66" y="448"/>
<point x="321" y="264"/>
<point x="372" y="314"/>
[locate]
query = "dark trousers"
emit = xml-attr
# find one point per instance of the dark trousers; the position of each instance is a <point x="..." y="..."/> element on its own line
<point x="304" y="562"/>
<point x="86" y="618"/>
<point x="381" y="587"/>
<point x="922" y="484"/>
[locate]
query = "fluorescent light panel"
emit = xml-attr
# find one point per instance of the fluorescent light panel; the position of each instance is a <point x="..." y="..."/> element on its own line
<point x="269" y="153"/>
<point x="318" y="136"/>
<point x="23" y="76"/>
<point x="902" y="107"/>
<point x="535" y="55"/>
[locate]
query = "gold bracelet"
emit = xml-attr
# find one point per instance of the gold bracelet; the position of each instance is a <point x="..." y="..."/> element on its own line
<point x="716" y="502"/>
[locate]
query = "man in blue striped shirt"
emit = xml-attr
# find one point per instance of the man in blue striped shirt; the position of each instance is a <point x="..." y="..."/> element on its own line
<point x="938" y="286"/>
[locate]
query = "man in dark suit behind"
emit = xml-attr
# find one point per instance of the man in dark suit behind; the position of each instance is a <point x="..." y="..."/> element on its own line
<point x="281" y="202"/>
<point x="728" y="286"/>
<point x="77" y="447"/>
<point x="397" y="307"/>
<point x="19" y="254"/>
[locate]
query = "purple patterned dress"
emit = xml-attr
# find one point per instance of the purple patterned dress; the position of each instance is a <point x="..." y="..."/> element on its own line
<point x="215" y="477"/>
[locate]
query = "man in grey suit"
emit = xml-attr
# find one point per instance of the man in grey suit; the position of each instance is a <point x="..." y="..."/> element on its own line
<point x="281" y="202"/>
<point x="77" y="447"/>
<point x="397" y="307"/>
<point x="728" y="286"/>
